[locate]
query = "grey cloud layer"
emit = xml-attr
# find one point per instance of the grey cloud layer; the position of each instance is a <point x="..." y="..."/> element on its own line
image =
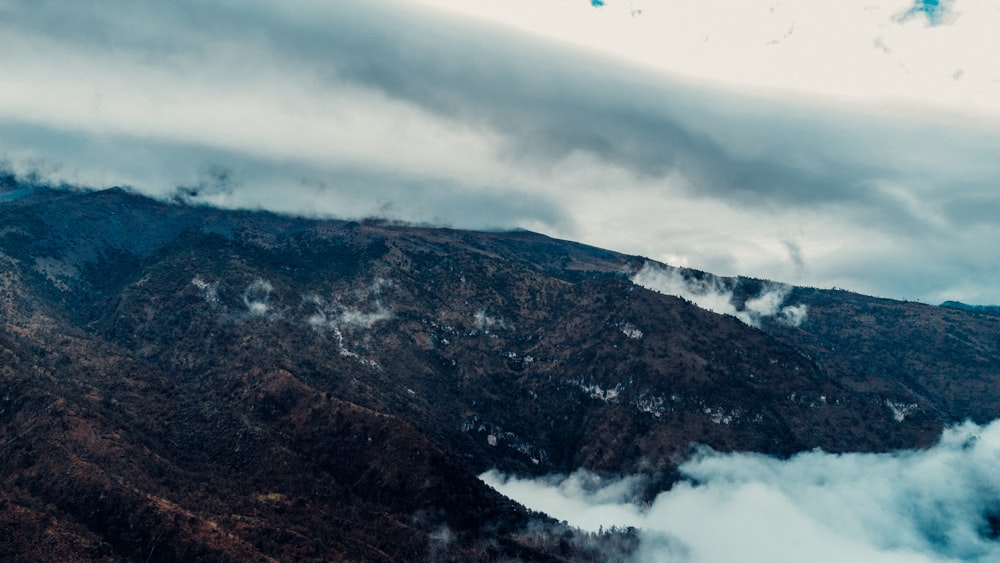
<point x="356" y="109"/>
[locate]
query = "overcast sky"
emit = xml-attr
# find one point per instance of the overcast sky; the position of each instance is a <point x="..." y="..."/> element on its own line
<point x="851" y="143"/>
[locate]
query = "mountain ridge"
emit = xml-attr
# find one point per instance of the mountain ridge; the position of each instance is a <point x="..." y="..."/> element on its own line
<point x="967" y="307"/>
<point x="245" y="349"/>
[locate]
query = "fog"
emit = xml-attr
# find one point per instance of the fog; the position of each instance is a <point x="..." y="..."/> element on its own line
<point x="934" y="505"/>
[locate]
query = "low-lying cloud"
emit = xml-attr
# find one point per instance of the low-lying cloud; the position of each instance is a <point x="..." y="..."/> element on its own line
<point x="487" y="324"/>
<point x="348" y="314"/>
<point x="356" y="310"/>
<point x="716" y="294"/>
<point x="935" y="505"/>
<point x="257" y="297"/>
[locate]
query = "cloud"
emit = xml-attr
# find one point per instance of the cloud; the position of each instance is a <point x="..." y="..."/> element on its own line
<point x="583" y="499"/>
<point x="717" y="295"/>
<point x="796" y="257"/>
<point x="395" y="109"/>
<point x="487" y="324"/>
<point x="338" y="316"/>
<point x="934" y="505"/>
<point x="351" y="314"/>
<point x="256" y="297"/>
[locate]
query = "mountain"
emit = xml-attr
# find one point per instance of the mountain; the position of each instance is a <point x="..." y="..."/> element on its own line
<point x="967" y="307"/>
<point x="182" y="382"/>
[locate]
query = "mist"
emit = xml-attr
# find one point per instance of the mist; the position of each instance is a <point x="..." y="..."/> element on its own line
<point x="933" y="505"/>
<point x="715" y="294"/>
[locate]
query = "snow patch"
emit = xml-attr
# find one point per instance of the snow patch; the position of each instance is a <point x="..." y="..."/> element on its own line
<point x="901" y="410"/>
<point x="654" y="405"/>
<point x="631" y="331"/>
<point x="210" y="291"/>
<point x="595" y="391"/>
<point x="511" y="355"/>
<point x="720" y="416"/>
<point x="496" y="436"/>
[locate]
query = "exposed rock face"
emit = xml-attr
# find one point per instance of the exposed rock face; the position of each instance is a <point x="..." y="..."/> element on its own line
<point x="182" y="382"/>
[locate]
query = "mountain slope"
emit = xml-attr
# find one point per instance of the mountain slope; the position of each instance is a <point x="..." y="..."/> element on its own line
<point x="186" y="382"/>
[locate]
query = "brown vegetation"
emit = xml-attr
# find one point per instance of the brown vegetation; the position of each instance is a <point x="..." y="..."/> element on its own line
<point x="184" y="383"/>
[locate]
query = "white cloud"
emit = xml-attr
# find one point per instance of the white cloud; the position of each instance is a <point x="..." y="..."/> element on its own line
<point x="354" y="318"/>
<point x="487" y="324"/>
<point x="716" y="294"/>
<point x="794" y="315"/>
<point x="935" y="505"/>
<point x="257" y="297"/>
<point x="351" y="314"/>
<point x="363" y="311"/>
<point x="583" y="499"/>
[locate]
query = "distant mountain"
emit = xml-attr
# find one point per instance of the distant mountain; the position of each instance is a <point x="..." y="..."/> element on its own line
<point x="966" y="307"/>
<point x="183" y="382"/>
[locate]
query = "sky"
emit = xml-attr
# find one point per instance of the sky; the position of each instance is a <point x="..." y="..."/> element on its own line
<point x="846" y="144"/>
<point x="921" y="506"/>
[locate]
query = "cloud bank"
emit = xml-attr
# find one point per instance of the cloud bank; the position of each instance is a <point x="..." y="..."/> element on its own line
<point x="402" y="110"/>
<point x="935" y="505"/>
